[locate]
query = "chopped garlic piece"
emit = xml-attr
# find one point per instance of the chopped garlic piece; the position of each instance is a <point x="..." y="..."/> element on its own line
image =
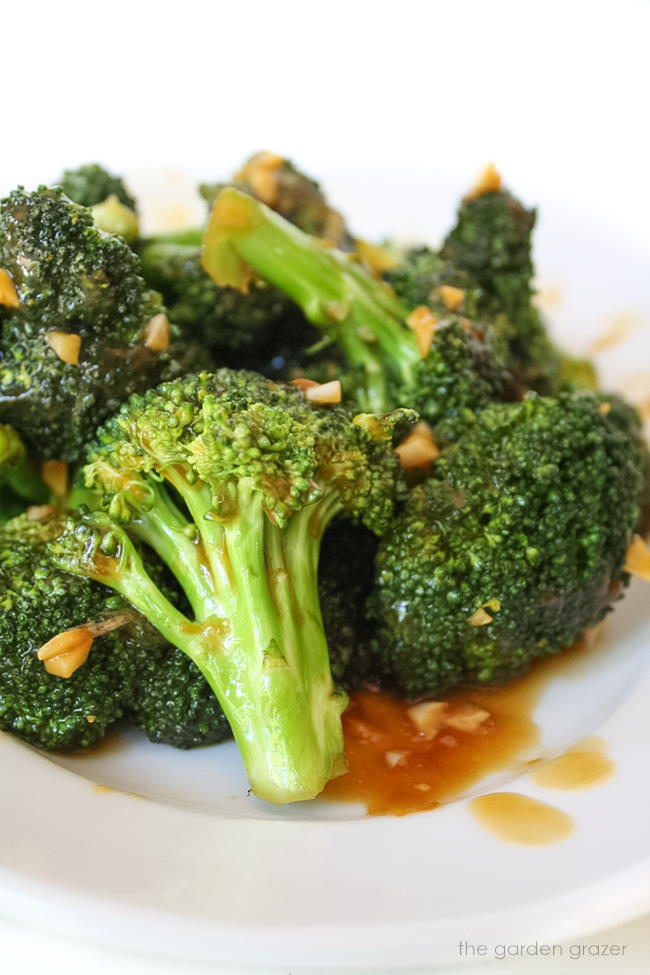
<point x="67" y="345"/>
<point x="376" y="259"/>
<point x="8" y="294"/>
<point x="67" y="652"/>
<point x="79" y="636"/>
<point x="428" y="717"/>
<point x="479" y="618"/>
<point x="262" y="173"/>
<point x="39" y="512"/>
<point x="55" y="474"/>
<point x="466" y="717"/>
<point x="395" y="758"/>
<point x="324" y="393"/>
<point x="423" y="322"/>
<point x="637" y="560"/>
<point x="303" y="383"/>
<point x="417" y="450"/>
<point x="338" y="311"/>
<point x="451" y="297"/>
<point x="605" y="408"/>
<point x="157" y="333"/>
<point x="488" y="182"/>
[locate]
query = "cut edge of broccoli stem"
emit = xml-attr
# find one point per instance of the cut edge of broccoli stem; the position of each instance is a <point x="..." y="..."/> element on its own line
<point x="264" y="653"/>
<point x="361" y="314"/>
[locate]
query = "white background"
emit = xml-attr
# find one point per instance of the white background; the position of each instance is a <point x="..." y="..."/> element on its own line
<point x="551" y="91"/>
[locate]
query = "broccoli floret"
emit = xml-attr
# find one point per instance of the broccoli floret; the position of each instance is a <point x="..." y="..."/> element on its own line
<point x="172" y="702"/>
<point x="37" y="602"/>
<point x="460" y="376"/>
<point x="491" y="241"/>
<point x="92" y="184"/>
<point x="223" y="319"/>
<point x="515" y="545"/>
<point x="112" y="206"/>
<point x="389" y="362"/>
<point x="421" y="276"/>
<point x="76" y="343"/>
<point x="260" y="473"/>
<point x="19" y="483"/>
<point x="297" y="197"/>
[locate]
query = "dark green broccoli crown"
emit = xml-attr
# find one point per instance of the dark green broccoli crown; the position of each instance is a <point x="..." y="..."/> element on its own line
<point x="172" y="701"/>
<point x="236" y="430"/>
<point x="68" y="274"/>
<point x="19" y="482"/>
<point x="37" y="602"/>
<point x="422" y="272"/>
<point x="492" y="242"/>
<point x="223" y="319"/>
<point x="72" y="278"/>
<point x="92" y="184"/>
<point x="527" y="524"/>
<point x="460" y="376"/>
<point x="492" y="238"/>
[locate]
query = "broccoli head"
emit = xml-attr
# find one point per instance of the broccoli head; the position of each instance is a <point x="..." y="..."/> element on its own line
<point x="113" y="208"/>
<point x="491" y="241"/>
<point x="232" y="479"/>
<point x="82" y="331"/>
<point x="424" y="277"/>
<point x="38" y="602"/>
<point x="92" y="184"/>
<point x="515" y="545"/>
<point x="171" y="700"/>
<point x="224" y="320"/>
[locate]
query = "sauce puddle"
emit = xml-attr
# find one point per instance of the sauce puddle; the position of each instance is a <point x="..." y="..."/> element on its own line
<point x="585" y="766"/>
<point x="394" y="769"/>
<point x="514" y="818"/>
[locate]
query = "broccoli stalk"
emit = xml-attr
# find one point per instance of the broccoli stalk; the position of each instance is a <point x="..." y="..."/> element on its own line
<point x="360" y="313"/>
<point x="260" y="472"/>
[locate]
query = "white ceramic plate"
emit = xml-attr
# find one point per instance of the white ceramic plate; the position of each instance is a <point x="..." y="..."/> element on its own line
<point x="200" y="870"/>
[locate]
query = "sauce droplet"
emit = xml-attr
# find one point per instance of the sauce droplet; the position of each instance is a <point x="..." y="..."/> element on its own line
<point x="584" y="766"/>
<point x="519" y="819"/>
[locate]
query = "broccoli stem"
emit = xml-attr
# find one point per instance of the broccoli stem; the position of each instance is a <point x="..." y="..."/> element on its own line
<point x="263" y="649"/>
<point x="176" y="540"/>
<point x="275" y="657"/>
<point x="362" y="315"/>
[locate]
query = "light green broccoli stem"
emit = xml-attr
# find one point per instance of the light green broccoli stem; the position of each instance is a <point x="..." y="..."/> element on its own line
<point x="361" y="314"/>
<point x="271" y="670"/>
<point x="17" y="471"/>
<point x="263" y="650"/>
